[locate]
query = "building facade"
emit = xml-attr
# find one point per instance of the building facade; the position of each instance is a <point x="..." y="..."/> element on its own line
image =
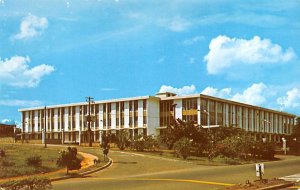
<point x="148" y="115"/>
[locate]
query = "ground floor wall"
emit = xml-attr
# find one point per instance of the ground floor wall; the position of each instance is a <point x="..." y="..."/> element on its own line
<point x="78" y="137"/>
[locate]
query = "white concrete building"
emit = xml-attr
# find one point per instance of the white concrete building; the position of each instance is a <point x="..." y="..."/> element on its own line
<point x="147" y="115"/>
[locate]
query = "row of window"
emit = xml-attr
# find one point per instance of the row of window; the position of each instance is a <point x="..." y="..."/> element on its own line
<point x="224" y="114"/>
<point x="84" y="110"/>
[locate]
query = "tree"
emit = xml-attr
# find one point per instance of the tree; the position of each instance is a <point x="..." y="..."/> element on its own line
<point x="68" y="158"/>
<point x="183" y="147"/>
<point x="123" y="139"/>
<point x="180" y="129"/>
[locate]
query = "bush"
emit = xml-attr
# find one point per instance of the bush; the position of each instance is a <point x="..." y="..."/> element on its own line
<point x="183" y="147"/>
<point x="35" y="161"/>
<point x="33" y="183"/>
<point x="265" y="150"/>
<point x="69" y="159"/>
<point x="6" y="163"/>
<point x="123" y="140"/>
<point x="2" y="153"/>
<point x="139" y="144"/>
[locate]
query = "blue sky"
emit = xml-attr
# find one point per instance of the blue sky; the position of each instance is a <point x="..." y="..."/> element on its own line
<point x="56" y="51"/>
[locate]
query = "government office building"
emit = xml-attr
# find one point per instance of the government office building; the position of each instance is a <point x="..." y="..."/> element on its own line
<point x="149" y="115"/>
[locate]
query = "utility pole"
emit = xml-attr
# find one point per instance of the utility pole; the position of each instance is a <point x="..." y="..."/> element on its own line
<point x="45" y="135"/>
<point x="89" y="100"/>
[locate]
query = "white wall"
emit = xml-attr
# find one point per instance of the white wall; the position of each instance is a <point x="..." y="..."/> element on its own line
<point x="126" y="114"/>
<point x="113" y="115"/>
<point x="178" y="110"/>
<point x="36" y="124"/>
<point x="66" y="118"/>
<point x="152" y="116"/>
<point x="140" y="113"/>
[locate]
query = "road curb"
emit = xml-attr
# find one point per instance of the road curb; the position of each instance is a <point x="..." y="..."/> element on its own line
<point x="277" y="186"/>
<point x="84" y="173"/>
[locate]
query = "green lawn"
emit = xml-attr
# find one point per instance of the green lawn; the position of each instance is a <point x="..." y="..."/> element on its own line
<point x="14" y="163"/>
<point x="217" y="161"/>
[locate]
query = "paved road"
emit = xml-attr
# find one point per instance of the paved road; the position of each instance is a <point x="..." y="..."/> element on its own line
<point x="135" y="171"/>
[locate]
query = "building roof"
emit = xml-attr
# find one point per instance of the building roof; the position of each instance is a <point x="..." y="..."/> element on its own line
<point x="96" y="102"/>
<point x="162" y="96"/>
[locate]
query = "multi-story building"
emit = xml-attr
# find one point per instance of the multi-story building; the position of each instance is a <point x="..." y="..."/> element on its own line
<point x="147" y="115"/>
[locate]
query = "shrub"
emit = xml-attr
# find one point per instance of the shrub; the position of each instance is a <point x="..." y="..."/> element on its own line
<point x="6" y="163"/>
<point x="139" y="144"/>
<point x="35" y="161"/>
<point x="123" y="140"/>
<point x="69" y="159"/>
<point x="33" y="183"/>
<point x="183" y="147"/>
<point x="2" y="153"/>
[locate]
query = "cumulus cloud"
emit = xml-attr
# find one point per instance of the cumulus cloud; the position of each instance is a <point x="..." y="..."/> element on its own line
<point x="223" y="93"/>
<point x="16" y="72"/>
<point x="31" y="26"/>
<point x="21" y="103"/>
<point x="291" y="100"/>
<point x="176" y="24"/>
<point x="225" y="52"/>
<point x="254" y="95"/>
<point x="179" y="91"/>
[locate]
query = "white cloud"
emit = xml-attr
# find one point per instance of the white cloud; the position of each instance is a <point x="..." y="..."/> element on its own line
<point x="108" y="89"/>
<point x="8" y="121"/>
<point x="161" y="60"/>
<point x="291" y="100"/>
<point x="31" y="26"/>
<point x="225" y="52"/>
<point x="193" y="40"/>
<point x="192" y="60"/>
<point x="254" y="95"/>
<point x="223" y="93"/>
<point x="16" y="72"/>
<point x="21" y="103"/>
<point x="179" y="91"/>
<point x="176" y="24"/>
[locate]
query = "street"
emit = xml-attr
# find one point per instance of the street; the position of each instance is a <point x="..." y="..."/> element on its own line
<point x="137" y="171"/>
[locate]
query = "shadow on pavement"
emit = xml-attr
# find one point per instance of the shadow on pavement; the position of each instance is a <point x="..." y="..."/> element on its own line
<point x="125" y="162"/>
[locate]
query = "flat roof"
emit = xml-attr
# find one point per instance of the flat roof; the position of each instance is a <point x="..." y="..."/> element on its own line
<point x="163" y="99"/>
<point x="85" y="103"/>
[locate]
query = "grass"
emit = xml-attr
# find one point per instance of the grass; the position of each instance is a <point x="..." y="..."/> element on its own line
<point x="201" y="160"/>
<point x="14" y="163"/>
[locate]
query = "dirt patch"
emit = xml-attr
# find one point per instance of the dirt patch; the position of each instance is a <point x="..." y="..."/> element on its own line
<point x="257" y="184"/>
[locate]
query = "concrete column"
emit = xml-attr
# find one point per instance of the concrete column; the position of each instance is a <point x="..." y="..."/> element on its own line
<point x="62" y="136"/>
<point x="100" y="137"/>
<point x="79" y="136"/>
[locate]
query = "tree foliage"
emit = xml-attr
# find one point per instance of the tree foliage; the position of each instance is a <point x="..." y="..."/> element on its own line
<point x="123" y="140"/>
<point x="34" y="161"/>
<point x="68" y="158"/>
<point x="183" y="147"/>
<point x="180" y="129"/>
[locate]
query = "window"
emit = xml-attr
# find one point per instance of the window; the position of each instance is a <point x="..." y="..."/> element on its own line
<point x="144" y="105"/>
